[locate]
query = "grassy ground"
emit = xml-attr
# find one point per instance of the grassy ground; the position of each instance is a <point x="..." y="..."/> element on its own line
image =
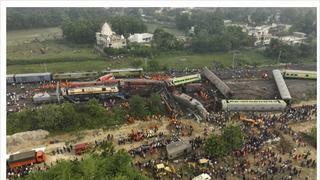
<point x="26" y="36"/>
<point x="24" y="54"/>
<point x="178" y="60"/>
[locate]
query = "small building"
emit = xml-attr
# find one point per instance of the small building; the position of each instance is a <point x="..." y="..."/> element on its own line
<point x="141" y="37"/>
<point x="108" y="38"/>
<point x="177" y="149"/>
<point x="299" y="34"/>
<point x="227" y="22"/>
<point x="292" y="40"/>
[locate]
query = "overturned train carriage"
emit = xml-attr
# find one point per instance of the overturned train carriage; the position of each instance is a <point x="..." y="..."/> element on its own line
<point x="281" y="84"/>
<point x="192" y="103"/>
<point x="178" y="148"/>
<point x="216" y="81"/>
<point x="253" y="105"/>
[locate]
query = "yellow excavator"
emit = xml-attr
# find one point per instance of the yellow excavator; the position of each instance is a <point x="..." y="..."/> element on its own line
<point x="253" y="122"/>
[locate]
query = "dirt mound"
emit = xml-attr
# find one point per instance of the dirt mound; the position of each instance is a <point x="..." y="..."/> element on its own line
<point x="27" y="136"/>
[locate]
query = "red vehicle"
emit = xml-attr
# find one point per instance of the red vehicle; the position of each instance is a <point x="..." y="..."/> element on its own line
<point x="25" y="158"/>
<point x="80" y="148"/>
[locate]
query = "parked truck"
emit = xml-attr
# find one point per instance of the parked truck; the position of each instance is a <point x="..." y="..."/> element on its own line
<point x="25" y="158"/>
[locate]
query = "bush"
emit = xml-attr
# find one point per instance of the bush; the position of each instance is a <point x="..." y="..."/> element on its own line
<point x="107" y="165"/>
<point x="81" y="31"/>
<point x="215" y="146"/>
<point x="231" y="139"/>
<point x="65" y="117"/>
<point x="137" y="107"/>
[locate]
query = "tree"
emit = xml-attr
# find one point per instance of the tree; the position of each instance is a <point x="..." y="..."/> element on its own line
<point x="65" y="117"/>
<point x="155" y="104"/>
<point x="212" y="22"/>
<point x="137" y="107"/>
<point x="119" y="114"/>
<point x="215" y="146"/>
<point x="183" y="21"/>
<point x="126" y="25"/>
<point x="306" y="23"/>
<point x="81" y="31"/>
<point x="259" y="16"/>
<point x="153" y="65"/>
<point x="164" y="40"/>
<point x="233" y="137"/>
<point x="107" y="165"/>
<point x="136" y="63"/>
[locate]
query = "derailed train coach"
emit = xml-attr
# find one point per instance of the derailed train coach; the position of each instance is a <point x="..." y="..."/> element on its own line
<point x="28" y="78"/>
<point x="125" y="72"/>
<point x="253" y="105"/>
<point x="281" y="84"/>
<point x="299" y="74"/>
<point x="74" y="75"/>
<point x="85" y="93"/>
<point x="176" y="81"/>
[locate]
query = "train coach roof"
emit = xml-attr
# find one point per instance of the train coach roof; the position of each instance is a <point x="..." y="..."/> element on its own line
<point x="124" y="70"/>
<point x="187" y="76"/>
<point x="177" y="146"/>
<point x="86" y="72"/>
<point x="252" y="101"/>
<point x="299" y="71"/>
<point x="281" y="84"/>
<point x="33" y="74"/>
<point x="22" y="156"/>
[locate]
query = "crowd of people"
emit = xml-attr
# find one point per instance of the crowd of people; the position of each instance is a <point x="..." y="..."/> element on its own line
<point x="19" y="172"/>
<point x="267" y="163"/>
<point x="18" y="97"/>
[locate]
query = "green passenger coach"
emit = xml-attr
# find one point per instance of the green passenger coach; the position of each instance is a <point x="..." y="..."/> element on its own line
<point x="253" y="105"/>
<point x="126" y="72"/>
<point x="184" y="79"/>
<point x="298" y="74"/>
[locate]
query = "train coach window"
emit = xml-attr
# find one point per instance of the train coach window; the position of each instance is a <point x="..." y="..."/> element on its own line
<point x="103" y="89"/>
<point x="296" y="75"/>
<point x="82" y="90"/>
<point x="307" y="75"/>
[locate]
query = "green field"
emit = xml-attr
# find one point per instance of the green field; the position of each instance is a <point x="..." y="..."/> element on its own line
<point x="20" y="37"/>
<point x="24" y="55"/>
<point x="178" y="60"/>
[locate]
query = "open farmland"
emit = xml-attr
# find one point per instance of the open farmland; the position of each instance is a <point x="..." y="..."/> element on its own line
<point x="89" y="61"/>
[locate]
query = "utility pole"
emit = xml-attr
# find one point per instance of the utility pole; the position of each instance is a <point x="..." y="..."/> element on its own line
<point x="45" y="67"/>
<point x="279" y="57"/>
<point x="233" y="61"/>
<point x="145" y="63"/>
